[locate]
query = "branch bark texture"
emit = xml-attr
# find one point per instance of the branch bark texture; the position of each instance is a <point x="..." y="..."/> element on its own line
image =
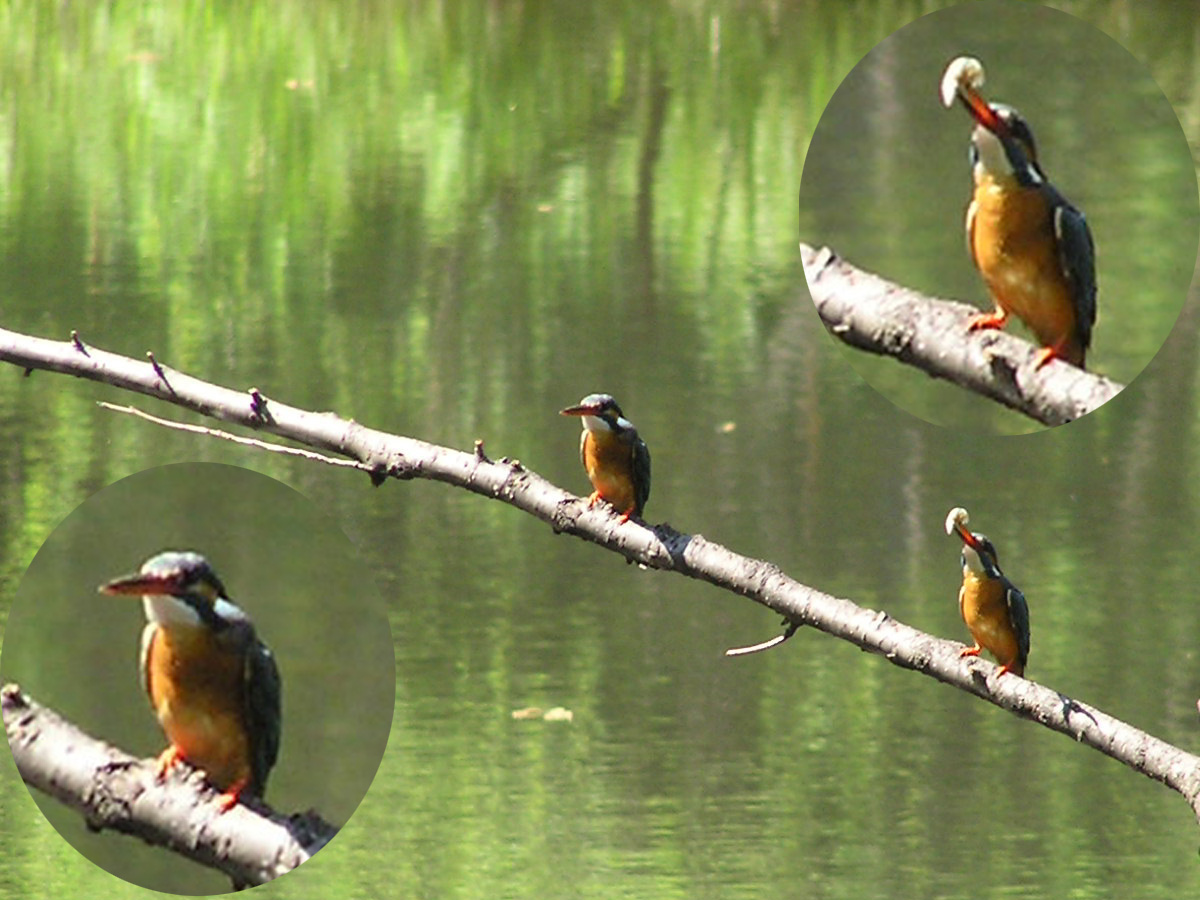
<point x="873" y="314"/>
<point x="114" y="790"/>
<point x="656" y="547"/>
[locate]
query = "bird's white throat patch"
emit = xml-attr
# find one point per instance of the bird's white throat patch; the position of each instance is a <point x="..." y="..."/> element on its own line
<point x="971" y="559"/>
<point x="164" y="609"/>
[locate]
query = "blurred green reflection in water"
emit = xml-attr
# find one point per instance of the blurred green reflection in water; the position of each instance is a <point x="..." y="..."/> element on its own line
<point x="454" y="220"/>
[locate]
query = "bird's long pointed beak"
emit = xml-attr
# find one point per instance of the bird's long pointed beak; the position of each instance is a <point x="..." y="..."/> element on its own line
<point x="956" y="523"/>
<point x="581" y="410"/>
<point x="967" y="537"/>
<point x="138" y="585"/>
<point x="980" y="111"/>
<point x="963" y="78"/>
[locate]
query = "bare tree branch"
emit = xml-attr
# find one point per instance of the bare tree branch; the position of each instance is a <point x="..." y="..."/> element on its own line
<point x="656" y="547"/>
<point x="873" y="314"/>
<point x="117" y="791"/>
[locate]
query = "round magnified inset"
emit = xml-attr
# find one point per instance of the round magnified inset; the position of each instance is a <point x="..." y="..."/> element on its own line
<point x="1023" y="165"/>
<point x="221" y="639"/>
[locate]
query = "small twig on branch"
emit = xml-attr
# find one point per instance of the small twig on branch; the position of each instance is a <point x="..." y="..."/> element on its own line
<point x="258" y="405"/>
<point x="117" y="791"/>
<point x="235" y="438"/>
<point x="658" y="547"/>
<point x="158" y="370"/>
<point x="765" y="645"/>
<point x="874" y="314"/>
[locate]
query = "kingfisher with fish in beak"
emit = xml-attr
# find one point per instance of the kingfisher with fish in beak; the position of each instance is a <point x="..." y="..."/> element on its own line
<point x="994" y="610"/>
<point x="1031" y="245"/>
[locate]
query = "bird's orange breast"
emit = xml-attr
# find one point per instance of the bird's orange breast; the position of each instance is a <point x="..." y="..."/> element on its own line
<point x="609" y="465"/>
<point x="196" y="690"/>
<point x="1014" y="246"/>
<point x="984" y="608"/>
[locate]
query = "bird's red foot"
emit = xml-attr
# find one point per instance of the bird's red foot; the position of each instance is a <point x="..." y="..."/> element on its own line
<point x="593" y="498"/>
<point x="1044" y="356"/>
<point x="970" y="651"/>
<point x="987" y="320"/>
<point x="168" y="760"/>
<point x="625" y="515"/>
<point x="1054" y="351"/>
<point x="229" y="798"/>
<point x="1008" y="667"/>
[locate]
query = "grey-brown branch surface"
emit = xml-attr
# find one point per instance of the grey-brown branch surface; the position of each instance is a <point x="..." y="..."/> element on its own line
<point x="873" y="314"/>
<point x="114" y="790"/>
<point x="653" y="546"/>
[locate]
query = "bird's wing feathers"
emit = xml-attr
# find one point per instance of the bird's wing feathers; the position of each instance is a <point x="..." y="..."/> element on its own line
<point x="1018" y="614"/>
<point x="263" y="710"/>
<point x="641" y="472"/>
<point x="1077" y="256"/>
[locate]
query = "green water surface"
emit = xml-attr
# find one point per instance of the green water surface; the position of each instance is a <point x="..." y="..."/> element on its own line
<point x="451" y="220"/>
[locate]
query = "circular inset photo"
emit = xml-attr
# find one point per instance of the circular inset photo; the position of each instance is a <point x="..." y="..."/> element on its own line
<point x="999" y="195"/>
<point x="199" y="678"/>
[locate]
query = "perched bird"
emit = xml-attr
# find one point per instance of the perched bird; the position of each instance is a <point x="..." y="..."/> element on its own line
<point x="994" y="611"/>
<point x="1032" y="247"/>
<point x="616" y="459"/>
<point x="212" y="683"/>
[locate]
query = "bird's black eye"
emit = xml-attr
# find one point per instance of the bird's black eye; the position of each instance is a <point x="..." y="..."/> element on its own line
<point x="1020" y="131"/>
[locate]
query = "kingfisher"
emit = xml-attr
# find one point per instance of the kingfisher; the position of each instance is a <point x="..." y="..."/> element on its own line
<point x="1032" y="247"/>
<point x="994" y="611"/>
<point x="212" y="683"/>
<point x="616" y="459"/>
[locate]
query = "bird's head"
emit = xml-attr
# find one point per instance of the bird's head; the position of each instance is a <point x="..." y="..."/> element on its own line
<point x="978" y="553"/>
<point x="1002" y="143"/>
<point x="179" y="588"/>
<point x="600" y="412"/>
